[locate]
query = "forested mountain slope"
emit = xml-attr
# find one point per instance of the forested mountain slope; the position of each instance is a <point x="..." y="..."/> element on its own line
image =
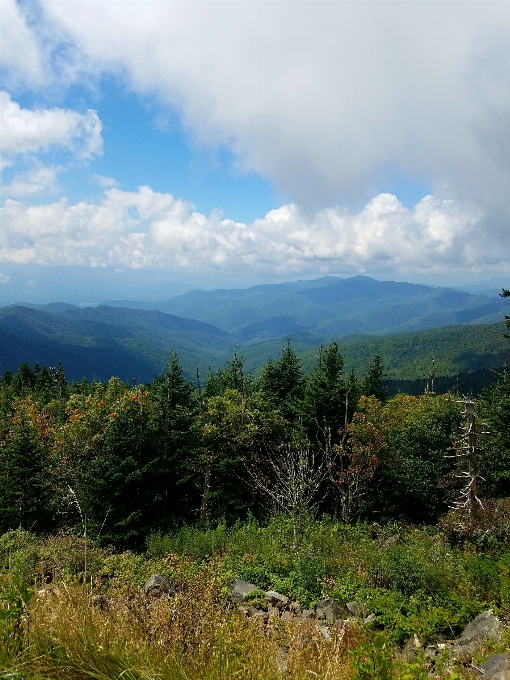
<point x="104" y="341"/>
<point x="330" y="307"/>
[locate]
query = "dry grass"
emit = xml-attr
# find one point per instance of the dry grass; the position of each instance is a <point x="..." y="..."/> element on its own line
<point x="67" y="635"/>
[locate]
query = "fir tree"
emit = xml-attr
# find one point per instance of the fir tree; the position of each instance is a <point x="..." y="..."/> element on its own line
<point x="283" y="381"/>
<point x="373" y="382"/>
<point x="25" y="493"/>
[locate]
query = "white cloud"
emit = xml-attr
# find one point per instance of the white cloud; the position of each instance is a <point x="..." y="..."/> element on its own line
<point x="25" y="131"/>
<point x="34" y="181"/>
<point x="326" y="99"/>
<point x="104" y="182"/>
<point x="19" y="51"/>
<point x="4" y="278"/>
<point x="145" y="228"/>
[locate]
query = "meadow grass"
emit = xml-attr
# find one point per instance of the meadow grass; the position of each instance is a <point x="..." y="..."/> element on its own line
<point x="54" y="624"/>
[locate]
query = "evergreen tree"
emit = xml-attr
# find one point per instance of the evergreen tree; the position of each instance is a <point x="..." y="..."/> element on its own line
<point x="283" y="381"/>
<point x="176" y="408"/>
<point x="25" y="492"/>
<point x="230" y="378"/>
<point x="326" y="395"/>
<point x="373" y="382"/>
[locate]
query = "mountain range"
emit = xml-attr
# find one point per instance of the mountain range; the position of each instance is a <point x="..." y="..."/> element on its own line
<point x="408" y="324"/>
<point x="329" y="307"/>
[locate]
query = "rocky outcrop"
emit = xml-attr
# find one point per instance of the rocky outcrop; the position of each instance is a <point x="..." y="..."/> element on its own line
<point x="157" y="585"/>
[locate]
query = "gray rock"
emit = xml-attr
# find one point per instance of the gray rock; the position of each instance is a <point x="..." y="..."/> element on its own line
<point x="260" y="616"/>
<point x="282" y="659"/>
<point x="369" y="618"/>
<point x="240" y="589"/>
<point x="277" y="599"/>
<point x="324" y="630"/>
<point x="295" y="608"/>
<point x="354" y="608"/>
<point x="474" y="635"/>
<point x="157" y="585"/>
<point x="410" y="651"/>
<point x="329" y="609"/>
<point x="497" y="667"/>
<point x="308" y="614"/>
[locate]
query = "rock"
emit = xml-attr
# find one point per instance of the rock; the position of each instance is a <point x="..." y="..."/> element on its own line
<point x="329" y="609"/>
<point x="474" y="635"/>
<point x="277" y="599"/>
<point x="157" y="585"/>
<point x="240" y="589"/>
<point x="308" y="614"/>
<point x="369" y="618"/>
<point x="295" y="608"/>
<point x="324" y="630"/>
<point x="411" y="648"/>
<point x="354" y="608"/>
<point x="287" y="615"/>
<point x="497" y="667"/>
<point x="259" y="615"/>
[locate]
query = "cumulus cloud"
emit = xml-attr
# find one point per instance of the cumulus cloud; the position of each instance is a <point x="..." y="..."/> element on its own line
<point x="326" y="99"/>
<point x="37" y="180"/>
<point x="20" y="53"/>
<point x="26" y="131"/>
<point x="146" y="228"/>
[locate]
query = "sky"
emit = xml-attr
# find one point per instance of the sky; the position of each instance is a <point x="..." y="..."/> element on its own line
<point x="152" y="146"/>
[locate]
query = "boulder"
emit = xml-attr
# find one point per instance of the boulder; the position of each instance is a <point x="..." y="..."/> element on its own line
<point x="240" y="589"/>
<point x="497" y="667"/>
<point x="329" y="609"/>
<point x="410" y="651"/>
<point x="295" y="608"/>
<point x="474" y="635"/>
<point x="157" y="585"/>
<point x="324" y="630"/>
<point x="354" y="608"/>
<point x="277" y="599"/>
<point x="308" y="614"/>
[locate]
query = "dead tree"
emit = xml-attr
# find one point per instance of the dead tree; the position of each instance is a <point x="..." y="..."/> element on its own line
<point x="466" y="451"/>
<point x="291" y="476"/>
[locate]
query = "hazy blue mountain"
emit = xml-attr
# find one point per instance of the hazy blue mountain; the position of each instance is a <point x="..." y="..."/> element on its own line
<point x="330" y="307"/>
<point x="104" y="341"/>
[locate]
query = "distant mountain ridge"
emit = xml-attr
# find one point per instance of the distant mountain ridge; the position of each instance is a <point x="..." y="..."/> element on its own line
<point x="330" y="307"/>
<point x="131" y="343"/>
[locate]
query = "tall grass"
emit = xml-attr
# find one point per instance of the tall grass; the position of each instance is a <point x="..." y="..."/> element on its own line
<point x="55" y="625"/>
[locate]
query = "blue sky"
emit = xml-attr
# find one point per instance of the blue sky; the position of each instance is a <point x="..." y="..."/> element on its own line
<point x="152" y="147"/>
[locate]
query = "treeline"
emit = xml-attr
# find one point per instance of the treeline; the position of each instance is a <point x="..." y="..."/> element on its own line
<point x="120" y="461"/>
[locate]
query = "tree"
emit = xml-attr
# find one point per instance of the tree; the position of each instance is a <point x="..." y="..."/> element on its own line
<point x="25" y="489"/>
<point x="283" y="382"/>
<point x="176" y="411"/>
<point x="325" y="396"/>
<point x="291" y="477"/>
<point x="505" y="294"/>
<point x="373" y="383"/>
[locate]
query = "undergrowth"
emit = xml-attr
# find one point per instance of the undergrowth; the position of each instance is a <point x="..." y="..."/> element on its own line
<point x="73" y="610"/>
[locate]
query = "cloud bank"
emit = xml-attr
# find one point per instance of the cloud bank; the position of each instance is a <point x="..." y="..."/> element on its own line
<point x="332" y="101"/>
<point x="149" y="229"/>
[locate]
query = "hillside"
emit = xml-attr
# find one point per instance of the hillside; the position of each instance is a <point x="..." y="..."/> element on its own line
<point x="101" y="342"/>
<point x="104" y="341"/>
<point x="330" y="307"/>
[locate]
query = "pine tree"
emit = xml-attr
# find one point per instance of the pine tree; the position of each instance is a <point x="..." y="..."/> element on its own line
<point x="177" y="407"/>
